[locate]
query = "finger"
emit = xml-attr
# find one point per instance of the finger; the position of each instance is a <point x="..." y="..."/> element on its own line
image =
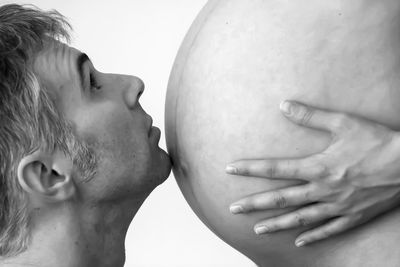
<point x="329" y="229"/>
<point x="316" y="118"/>
<point x="304" y="168"/>
<point x="302" y="217"/>
<point x="278" y="199"/>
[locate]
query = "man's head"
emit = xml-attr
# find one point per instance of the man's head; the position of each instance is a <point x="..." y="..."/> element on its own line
<point x="68" y="132"/>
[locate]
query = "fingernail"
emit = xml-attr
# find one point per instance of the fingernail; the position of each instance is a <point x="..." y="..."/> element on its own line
<point x="300" y="243"/>
<point x="285" y="106"/>
<point x="230" y="169"/>
<point x="235" y="209"/>
<point x="261" y="230"/>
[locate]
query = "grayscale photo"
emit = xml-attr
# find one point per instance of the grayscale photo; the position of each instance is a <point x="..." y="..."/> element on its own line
<point x="199" y="133"/>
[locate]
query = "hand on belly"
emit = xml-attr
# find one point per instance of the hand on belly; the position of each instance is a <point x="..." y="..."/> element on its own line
<point x="354" y="180"/>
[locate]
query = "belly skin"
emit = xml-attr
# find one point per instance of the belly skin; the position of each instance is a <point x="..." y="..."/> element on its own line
<point x="239" y="60"/>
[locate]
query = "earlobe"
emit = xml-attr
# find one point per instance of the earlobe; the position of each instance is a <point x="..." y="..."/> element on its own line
<point x="47" y="177"/>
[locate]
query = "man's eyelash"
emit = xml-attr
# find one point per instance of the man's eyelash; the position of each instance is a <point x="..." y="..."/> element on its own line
<point x="93" y="82"/>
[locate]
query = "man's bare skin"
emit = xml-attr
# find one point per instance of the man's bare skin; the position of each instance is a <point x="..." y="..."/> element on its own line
<point x="74" y="221"/>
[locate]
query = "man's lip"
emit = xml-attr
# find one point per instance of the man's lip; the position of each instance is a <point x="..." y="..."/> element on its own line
<point x="150" y="125"/>
<point x="155" y="133"/>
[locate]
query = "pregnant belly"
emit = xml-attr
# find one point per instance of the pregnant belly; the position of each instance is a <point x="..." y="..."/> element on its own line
<point x="239" y="60"/>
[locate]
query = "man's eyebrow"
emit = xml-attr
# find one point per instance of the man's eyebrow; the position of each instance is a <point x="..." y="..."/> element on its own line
<point x="81" y="60"/>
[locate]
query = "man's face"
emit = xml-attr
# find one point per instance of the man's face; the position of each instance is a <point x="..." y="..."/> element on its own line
<point x="105" y="112"/>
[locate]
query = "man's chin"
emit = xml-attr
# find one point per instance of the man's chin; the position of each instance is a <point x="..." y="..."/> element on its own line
<point x="162" y="168"/>
<point x="166" y="165"/>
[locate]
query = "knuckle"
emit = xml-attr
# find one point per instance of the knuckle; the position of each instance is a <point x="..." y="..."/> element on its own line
<point x="279" y="200"/>
<point x="319" y="165"/>
<point x="306" y="116"/>
<point x="311" y="194"/>
<point x="322" y="170"/>
<point x="300" y="219"/>
<point x="271" y="170"/>
<point x="339" y="177"/>
<point x="243" y="171"/>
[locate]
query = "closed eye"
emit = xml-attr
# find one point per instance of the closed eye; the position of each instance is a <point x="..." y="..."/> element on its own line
<point x="93" y="82"/>
<point x="85" y="71"/>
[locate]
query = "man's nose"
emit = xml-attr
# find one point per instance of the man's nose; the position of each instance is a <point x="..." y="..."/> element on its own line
<point x="133" y="91"/>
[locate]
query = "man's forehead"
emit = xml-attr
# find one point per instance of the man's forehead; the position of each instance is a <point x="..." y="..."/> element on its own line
<point x="56" y="69"/>
<point x="54" y="52"/>
<point x="56" y="61"/>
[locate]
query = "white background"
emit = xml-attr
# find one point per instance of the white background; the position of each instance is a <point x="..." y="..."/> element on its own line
<point x="141" y="38"/>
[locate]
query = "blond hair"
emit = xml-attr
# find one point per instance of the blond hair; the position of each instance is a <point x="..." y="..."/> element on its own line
<point x="28" y="117"/>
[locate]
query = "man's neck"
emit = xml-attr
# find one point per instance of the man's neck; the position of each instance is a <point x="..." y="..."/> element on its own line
<point x="74" y="236"/>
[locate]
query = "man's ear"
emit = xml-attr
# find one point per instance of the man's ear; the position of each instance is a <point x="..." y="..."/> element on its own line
<point x="47" y="176"/>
